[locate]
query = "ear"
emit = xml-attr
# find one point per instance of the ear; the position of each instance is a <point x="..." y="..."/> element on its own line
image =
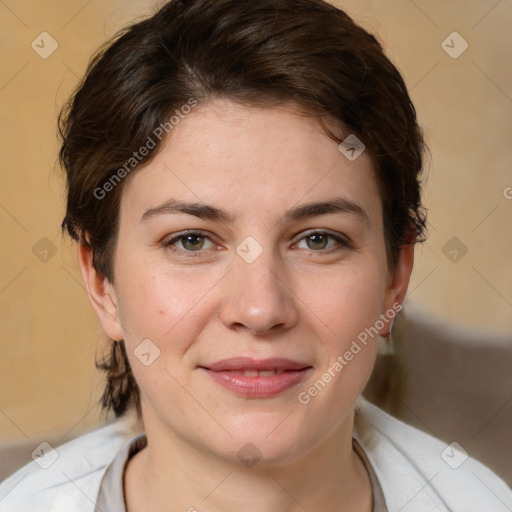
<point x="398" y="282"/>
<point x="101" y="293"/>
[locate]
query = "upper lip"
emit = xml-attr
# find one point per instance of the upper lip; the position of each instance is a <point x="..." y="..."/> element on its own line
<point x="247" y="363"/>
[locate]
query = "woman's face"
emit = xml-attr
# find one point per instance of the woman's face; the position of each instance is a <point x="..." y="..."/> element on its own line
<point x="250" y="256"/>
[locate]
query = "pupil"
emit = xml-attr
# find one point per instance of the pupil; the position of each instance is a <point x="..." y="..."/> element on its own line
<point x="193" y="242"/>
<point x="317" y="241"/>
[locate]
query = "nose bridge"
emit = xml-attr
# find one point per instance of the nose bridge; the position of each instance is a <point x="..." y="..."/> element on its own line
<point x="257" y="296"/>
<point x="258" y="277"/>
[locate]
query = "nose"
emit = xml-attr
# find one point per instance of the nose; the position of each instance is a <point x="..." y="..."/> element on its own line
<point x="257" y="299"/>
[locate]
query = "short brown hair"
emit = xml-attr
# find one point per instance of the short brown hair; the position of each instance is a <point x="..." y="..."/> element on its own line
<point x="263" y="53"/>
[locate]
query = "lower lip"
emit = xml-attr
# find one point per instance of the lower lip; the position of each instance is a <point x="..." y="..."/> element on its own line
<point x="257" y="387"/>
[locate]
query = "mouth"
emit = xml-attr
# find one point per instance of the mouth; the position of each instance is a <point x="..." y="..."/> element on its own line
<point x="252" y="378"/>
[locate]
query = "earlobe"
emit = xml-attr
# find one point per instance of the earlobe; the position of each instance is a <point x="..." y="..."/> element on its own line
<point x="101" y="293"/>
<point x="398" y="283"/>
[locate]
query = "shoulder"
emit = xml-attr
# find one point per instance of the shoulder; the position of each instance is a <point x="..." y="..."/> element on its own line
<point x="419" y="472"/>
<point x="66" y="477"/>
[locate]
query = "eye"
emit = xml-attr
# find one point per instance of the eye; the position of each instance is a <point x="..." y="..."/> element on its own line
<point x="191" y="241"/>
<point x="321" y="241"/>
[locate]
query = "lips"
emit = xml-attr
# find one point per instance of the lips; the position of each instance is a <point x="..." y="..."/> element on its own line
<point x="253" y="378"/>
<point x="238" y="364"/>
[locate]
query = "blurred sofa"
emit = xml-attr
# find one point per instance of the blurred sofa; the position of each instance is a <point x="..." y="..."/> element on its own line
<point x="452" y="382"/>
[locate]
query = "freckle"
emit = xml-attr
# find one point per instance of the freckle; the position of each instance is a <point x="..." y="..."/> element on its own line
<point x="161" y="312"/>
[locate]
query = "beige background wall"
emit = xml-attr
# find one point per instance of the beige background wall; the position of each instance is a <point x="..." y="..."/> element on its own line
<point x="49" y="336"/>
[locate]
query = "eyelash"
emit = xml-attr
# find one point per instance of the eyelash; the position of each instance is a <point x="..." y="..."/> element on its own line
<point x="183" y="234"/>
<point x="343" y="243"/>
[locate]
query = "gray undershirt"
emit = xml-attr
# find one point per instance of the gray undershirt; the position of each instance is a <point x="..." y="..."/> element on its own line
<point x="111" y="495"/>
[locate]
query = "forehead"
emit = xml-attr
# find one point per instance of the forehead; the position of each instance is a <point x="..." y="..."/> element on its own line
<point x="243" y="158"/>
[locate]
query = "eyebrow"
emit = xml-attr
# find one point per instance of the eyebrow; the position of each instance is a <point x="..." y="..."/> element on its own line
<point x="338" y="205"/>
<point x="204" y="211"/>
<point x="172" y="206"/>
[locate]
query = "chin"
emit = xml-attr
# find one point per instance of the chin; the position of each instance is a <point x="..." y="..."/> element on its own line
<point x="274" y="440"/>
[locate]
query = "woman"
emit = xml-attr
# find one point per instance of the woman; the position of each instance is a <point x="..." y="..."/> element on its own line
<point x="244" y="187"/>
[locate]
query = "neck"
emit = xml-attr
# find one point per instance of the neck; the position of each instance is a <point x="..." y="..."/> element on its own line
<point x="171" y="475"/>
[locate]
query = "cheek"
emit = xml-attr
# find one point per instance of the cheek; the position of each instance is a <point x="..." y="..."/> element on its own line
<point x="170" y="309"/>
<point x="347" y="300"/>
<point x="347" y="307"/>
<point x="164" y="305"/>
